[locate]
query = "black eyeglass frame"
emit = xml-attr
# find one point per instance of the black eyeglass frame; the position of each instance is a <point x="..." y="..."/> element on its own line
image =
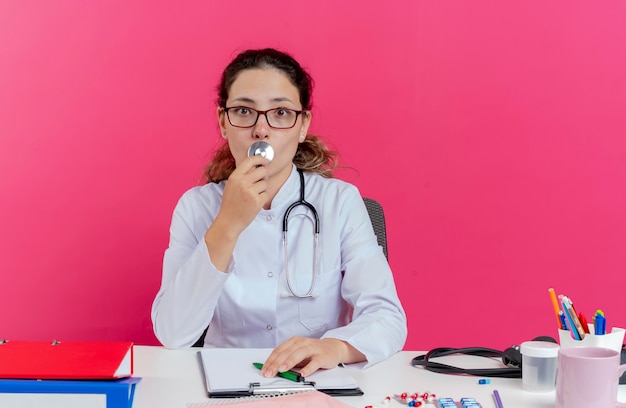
<point x="264" y="113"/>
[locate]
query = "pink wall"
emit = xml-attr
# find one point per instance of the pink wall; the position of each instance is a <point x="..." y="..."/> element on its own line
<point x="492" y="132"/>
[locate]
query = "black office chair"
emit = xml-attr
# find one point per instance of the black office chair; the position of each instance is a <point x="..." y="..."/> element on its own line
<point x="377" y="217"/>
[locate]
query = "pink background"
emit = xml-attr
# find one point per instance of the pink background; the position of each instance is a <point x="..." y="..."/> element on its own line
<point x="493" y="133"/>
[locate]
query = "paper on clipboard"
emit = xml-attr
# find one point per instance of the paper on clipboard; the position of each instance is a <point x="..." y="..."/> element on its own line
<point x="229" y="373"/>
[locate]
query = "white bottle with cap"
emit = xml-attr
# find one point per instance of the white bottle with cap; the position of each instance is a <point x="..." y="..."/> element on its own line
<point x="539" y="363"/>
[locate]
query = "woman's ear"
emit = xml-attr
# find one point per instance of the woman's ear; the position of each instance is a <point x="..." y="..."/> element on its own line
<point x="306" y="122"/>
<point x="221" y="120"/>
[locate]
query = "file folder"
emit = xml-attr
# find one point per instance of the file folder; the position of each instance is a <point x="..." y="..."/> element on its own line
<point x="229" y="373"/>
<point x="40" y="360"/>
<point x="118" y="393"/>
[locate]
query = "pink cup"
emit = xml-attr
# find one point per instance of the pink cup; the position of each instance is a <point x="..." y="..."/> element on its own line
<point x="588" y="377"/>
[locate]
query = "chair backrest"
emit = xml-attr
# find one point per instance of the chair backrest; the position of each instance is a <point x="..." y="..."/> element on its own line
<point x="377" y="216"/>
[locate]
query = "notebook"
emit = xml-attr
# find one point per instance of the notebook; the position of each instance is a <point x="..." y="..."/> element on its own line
<point x="229" y="373"/>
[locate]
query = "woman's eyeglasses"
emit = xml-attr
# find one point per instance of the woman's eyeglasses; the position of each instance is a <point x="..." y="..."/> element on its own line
<point x="279" y="118"/>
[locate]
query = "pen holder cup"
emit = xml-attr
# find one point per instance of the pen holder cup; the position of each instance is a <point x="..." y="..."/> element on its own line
<point x="612" y="340"/>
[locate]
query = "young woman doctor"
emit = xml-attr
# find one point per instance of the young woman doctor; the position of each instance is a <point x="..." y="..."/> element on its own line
<point x="318" y="300"/>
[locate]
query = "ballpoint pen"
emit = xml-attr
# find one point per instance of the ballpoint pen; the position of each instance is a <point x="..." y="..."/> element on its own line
<point x="570" y="323"/>
<point x="583" y="322"/>
<point x="496" y="395"/>
<point x="289" y="374"/>
<point x="572" y="319"/>
<point x="563" y="321"/>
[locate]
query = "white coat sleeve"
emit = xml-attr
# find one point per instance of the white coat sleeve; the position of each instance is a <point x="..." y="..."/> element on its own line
<point x="190" y="284"/>
<point x="378" y="328"/>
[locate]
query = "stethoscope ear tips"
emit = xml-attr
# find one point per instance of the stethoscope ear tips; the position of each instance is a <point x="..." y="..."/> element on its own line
<point x="545" y="338"/>
<point x="512" y="357"/>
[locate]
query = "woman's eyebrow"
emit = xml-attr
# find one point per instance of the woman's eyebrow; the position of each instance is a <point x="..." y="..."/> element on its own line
<point x="282" y="99"/>
<point x="245" y="99"/>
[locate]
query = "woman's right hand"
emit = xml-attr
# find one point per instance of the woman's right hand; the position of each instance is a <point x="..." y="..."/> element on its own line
<point x="245" y="194"/>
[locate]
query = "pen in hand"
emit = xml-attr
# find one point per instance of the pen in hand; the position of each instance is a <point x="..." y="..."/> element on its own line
<point x="289" y="374"/>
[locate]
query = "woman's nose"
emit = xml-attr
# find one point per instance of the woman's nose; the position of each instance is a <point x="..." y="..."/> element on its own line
<point x="261" y="128"/>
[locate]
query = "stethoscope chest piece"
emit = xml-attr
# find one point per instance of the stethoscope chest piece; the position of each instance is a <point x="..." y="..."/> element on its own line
<point x="262" y="149"/>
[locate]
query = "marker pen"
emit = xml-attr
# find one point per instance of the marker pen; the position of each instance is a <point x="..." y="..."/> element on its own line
<point x="289" y="374"/>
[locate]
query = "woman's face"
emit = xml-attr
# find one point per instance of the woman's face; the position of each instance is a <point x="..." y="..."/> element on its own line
<point x="264" y="89"/>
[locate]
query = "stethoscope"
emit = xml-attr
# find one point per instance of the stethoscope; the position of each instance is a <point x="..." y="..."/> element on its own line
<point x="264" y="149"/>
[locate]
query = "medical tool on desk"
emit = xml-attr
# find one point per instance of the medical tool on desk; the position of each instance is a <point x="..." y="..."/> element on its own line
<point x="264" y="149"/>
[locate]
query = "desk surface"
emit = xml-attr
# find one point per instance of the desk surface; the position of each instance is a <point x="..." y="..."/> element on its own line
<point x="173" y="378"/>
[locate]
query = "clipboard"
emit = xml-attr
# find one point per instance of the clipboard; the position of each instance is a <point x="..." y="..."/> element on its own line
<point x="229" y="373"/>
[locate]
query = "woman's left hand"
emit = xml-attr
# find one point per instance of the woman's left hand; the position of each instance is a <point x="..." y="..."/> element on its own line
<point x="310" y="355"/>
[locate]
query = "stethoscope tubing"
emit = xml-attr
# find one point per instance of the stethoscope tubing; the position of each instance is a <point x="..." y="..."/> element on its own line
<point x="302" y="201"/>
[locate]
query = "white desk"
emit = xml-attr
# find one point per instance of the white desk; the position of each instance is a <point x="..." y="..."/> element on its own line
<point x="173" y="378"/>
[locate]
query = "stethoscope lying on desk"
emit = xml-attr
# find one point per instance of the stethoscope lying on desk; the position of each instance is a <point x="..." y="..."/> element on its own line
<point x="264" y="149"/>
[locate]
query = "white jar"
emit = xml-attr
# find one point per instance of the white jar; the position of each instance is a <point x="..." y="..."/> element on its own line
<point x="539" y="363"/>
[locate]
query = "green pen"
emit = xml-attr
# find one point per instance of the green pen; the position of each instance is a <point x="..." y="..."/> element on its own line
<point x="289" y="374"/>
